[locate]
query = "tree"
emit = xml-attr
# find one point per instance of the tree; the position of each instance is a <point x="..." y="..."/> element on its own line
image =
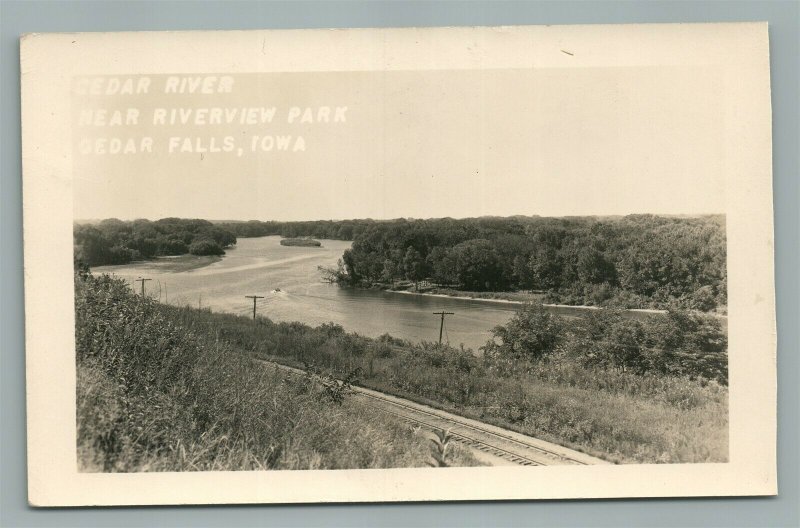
<point x="337" y="275"/>
<point x="205" y="247"/>
<point x="531" y="334"/>
<point x="476" y="264"/>
<point x="414" y="266"/>
<point x="594" y="268"/>
<point x="545" y="267"/>
<point x="113" y="241"/>
<point x="703" y="299"/>
<point x="351" y="269"/>
<point x="522" y="273"/>
<point x="623" y="346"/>
<point x="441" y="265"/>
<point x="390" y="270"/>
<point x="607" y="338"/>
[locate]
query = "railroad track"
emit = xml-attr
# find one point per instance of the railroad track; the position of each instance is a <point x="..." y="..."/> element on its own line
<point x="467" y="440"/>
<point x="502" y="443"/>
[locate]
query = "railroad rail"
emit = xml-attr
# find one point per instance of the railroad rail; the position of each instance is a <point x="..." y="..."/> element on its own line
<point x="503" y="443"/>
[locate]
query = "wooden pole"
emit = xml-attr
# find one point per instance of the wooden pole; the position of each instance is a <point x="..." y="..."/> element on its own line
<point x="441" y="325"/>
<point x="142" y="281"/>
<point x="255" y="298"/>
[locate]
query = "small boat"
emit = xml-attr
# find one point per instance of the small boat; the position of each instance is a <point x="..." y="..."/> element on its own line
<point x="277" y="290"/>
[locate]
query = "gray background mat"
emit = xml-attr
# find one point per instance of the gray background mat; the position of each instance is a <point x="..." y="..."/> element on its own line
<point x="29" y="16"/>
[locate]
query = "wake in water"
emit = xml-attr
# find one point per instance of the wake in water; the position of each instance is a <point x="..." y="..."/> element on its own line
<point x="215" y="269"/>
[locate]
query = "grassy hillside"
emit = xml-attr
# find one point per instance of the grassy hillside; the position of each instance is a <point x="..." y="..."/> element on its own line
<point x="153" y="395"/>
<point x="619" y="416"/>
<point x="166" y="388"/>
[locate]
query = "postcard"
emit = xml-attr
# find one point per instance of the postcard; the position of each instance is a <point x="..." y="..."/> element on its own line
<point x="413" y="264"/>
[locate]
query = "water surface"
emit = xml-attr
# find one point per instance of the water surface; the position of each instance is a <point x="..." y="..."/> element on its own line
<point x="261" y="266"/>
<point x="289" y="280"/>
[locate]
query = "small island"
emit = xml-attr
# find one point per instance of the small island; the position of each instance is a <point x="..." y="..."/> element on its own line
<point x="306" y="242"/>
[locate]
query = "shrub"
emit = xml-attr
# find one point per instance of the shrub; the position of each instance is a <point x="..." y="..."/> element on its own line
<point x="205" y="247"/>
<point x="439" y="448"/>
<point x="531" y="334"/>
<point x="703" y="299"/>
<point x="681" y="343"/>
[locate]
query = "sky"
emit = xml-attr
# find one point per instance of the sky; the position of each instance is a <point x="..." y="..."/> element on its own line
<point x="421" y="144"/>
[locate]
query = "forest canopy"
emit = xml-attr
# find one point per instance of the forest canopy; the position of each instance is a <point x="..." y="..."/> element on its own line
<point x="327" y="229"/>
<point x="114" y="241"/>
<point x="637" y="261"/>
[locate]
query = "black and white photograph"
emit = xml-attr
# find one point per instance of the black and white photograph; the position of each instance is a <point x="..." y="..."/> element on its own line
<point x="501" y="250"/>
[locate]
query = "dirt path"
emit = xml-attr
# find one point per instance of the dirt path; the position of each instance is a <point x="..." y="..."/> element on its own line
<point x="491" y="444"/>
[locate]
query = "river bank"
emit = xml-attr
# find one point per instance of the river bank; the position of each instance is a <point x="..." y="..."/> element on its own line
<point x="517" y="298"/>
<point x="468" y="297"/>
<point x="167" y="264"/>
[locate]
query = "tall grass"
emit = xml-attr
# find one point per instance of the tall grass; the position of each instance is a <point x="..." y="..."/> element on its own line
<point x="153" y="395"/>
<point x="621" y="416"/>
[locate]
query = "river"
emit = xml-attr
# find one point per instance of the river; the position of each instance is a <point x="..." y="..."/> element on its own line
<point x="288" y="279"/>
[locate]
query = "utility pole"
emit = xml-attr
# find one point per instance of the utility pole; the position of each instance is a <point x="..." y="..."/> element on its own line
<point x="441" y="325"/>
<point x="255" y="298"/>
<point x="142" y="281"/>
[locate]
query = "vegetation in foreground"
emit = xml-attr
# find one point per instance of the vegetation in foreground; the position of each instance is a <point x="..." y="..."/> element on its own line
<point x="153" y="395"/>
<point x="624" y="390"/>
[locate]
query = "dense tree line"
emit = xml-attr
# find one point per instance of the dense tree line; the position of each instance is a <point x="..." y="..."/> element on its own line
<point x="633" y="261"/>
<point x="328" y="229"/>
<point x="637" y="261"/>
<point x="114" y="241"/>
<point x="681" y="343"/>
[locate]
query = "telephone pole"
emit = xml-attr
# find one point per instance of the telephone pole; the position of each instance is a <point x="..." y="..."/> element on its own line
<point x="441" y="325"/>
<point x="142" y="281"/>
<point x="255" y="298"/>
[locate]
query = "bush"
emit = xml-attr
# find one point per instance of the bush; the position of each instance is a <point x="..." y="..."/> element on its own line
<point x="531" y="334"/>
<point x="703" y="299"/>
<point x="680" y="343"/>
<point x="205" y="247"/>
<point x="599" y="294"/>
<point x="173" y="246"/>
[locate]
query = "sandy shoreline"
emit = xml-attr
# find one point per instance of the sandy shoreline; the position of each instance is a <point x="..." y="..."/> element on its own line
<point x="507" y="301"/>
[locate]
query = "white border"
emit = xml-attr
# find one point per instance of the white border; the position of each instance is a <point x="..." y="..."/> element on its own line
<point x="50" y="61"/>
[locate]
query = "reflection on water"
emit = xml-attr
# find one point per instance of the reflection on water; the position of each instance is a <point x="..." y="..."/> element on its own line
<point x="288" y="278"/>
